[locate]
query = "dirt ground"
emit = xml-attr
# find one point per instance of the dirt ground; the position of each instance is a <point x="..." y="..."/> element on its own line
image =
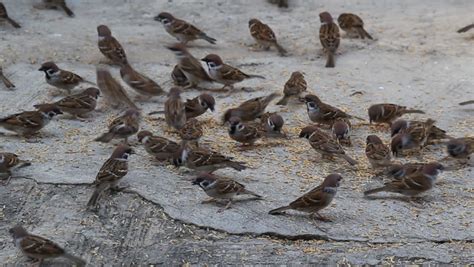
<point x="417" y="59"/>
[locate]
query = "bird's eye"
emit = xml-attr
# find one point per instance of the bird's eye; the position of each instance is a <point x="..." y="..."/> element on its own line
<point x="125" y="156"/>
<point x="203" y="104"/>
<point x="51" y="114"/>
<point x="211" y="64"/>
<point x="205" y="184"/>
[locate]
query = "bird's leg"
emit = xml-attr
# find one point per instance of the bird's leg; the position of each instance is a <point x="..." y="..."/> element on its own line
<point x="7" y="179"/>
<point x="209" y="200"/>
<point x="321" y="218"/>
<point x="227" y="206"/>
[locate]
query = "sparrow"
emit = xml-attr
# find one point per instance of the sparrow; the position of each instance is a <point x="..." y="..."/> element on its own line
<point x="396" y="171"/>
<point x="250" y="109"/>
<point x="462" y="103"/>
<point x="157" y="146"/>
<point x="461" y="148"/>
<point x="387" y="113"/>
<point x="182" y="30"/>
<point x="60" y="78"/>
<point x="243" y="133"/>
<point x="221" y="188"/>
<point x="329" y="37"/>
<point x="139" y="82"/>
<point x="272" y="125"/>
<point x="55" y="4"/>
<point x="204" y="160"/>
<point x="413" y="184"/>
<point x="353" y="25"/>
<point x="315" y="200"/>
<point x="9" y="161"/>
<point x="403" y="143"/>
<point x="467" y="28"/>
<point x="264" y="36"/>
<point x="341" y="130"/>
<point x="115" y="94"/>
<point x="225" y="74"/>
<point x="40" y="248"/>
<point x="199" y="105"/>
<point x="413" y="137"/>
<point x="191" y="131"/>
<point x="28" y="123"/>
<point x="110" y="47"/>
<point x="377" y="152"/>
<point x="293" y="87"/>
<point x="114" y="169"/>
<point x="4" y="79"/>
<point x="4" y="16"/>
<point x="323" y="113"/>
<point x="175" y="110"/>
<point x="325" y="144"/>
<point x="280" y="3"/>
<point x="78" y="104"/>
<point x="432" y="131"/>
<point x="122" y="127"/>
<point x="189" y="66"/>
<point x="178" y="77"/>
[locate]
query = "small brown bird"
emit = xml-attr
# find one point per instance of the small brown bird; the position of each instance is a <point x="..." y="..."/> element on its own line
<point x="323" y="113"/>
<point x="175" y="110"/>
<point x="434" y="133"/>
<point x="225" y="74"/>
<point x="293" y="87"/>
<point x="110" y="47"/>
<point x="316" y="199"/>
<point x="387" y="113"/>
<point x="28" y="123"/>
<point x="461" y="148"/>
<point x="341" y="130"/>
<point x="324" y="144"/>
<point x="199" y="105"/>
<point x="139" y="82"/>
<point x="122" y="127"/>
<point x="414" y="137"/>
<point x="396" y="171"/>
<point x="189" y="66"/>
<point x="111" y="172"/>
<point x="205" y="160"/>
<point x="78" y="104"/>
<point x="60" y="78"/>
<point x="467" y="28"/>
<point x="377" y="152"/>
<point x="182" y="30"/>
<point x="243" y="133"/>
<point x="114" y="93"/>
<point x="329" y="37"/>
<point x="221" y="188"/>
<point x="414" y="184"/>
<point x="250" y="109"/>
<point x="191" y="132"/>
<point x="178" y="77"/>
<point x="4" y="16"/>
<point x="272" y="125"/>
<point x="57" y="4"/>
<point x="264" y="36"/>
<point x="462" y="103"/>
<point x="157" y="146"/>
<point x="4" y="79"/>
<point x="39" y="248"/>
<point x="353" y="25"/>
<point x="8" y="162"/>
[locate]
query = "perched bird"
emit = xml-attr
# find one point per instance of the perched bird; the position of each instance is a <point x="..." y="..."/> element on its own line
<point x="323" y="113"/>
<point x="462" y="103"/>
<point x="221" y="188"/>
<point x="179" y="79"/>
<point x="377" y="152"/>
<point x="412" y="138"/>
<point x="191" y="132"/>
<point x="157" y="146"/>
<point x="182" y="30"/>
<point x="9" y="161"/>
<point x="114" y="169"/>
<point x="324" y="144"/>
<point x="56" y="4"/>
<point x="461" y="148"/>
<point x="387" y="113"/>
<point x="243" y="133"/>
<point x="175" y="110"/>
<point x="225" y="74"/>
<point x="341" y="130"/>
<point x="353" y="25"/>
<point x="264" y="36"/>
<point x="414" y="184"/>
<point x="114" y="93"/>
<point x="403" y="144"/>
<point x="28" y="123"/>
<point x="139" y="82"/>
<point x="110" y="47"/>
<point x="272" y="125"/>
<point x="424" y="129"/>
<point x="4" y="16"/>
<point x="122" y="127"/>
<point x="199" y="105"/>
<point x="396" y="171"/>
<point x="78" y="104"/>
<point x="250" y="109"/>
<point x="467" y="28"/>
<point x="205" y="160"/>
<point x="60" y="78"/>
<point x="293" y="87"/>
<point x="315" y="200"/>
<point x="4" y="79"/>
<point x="329" y="37"/>
<point x="189" y="66"/>
<point x="39" y="248"/>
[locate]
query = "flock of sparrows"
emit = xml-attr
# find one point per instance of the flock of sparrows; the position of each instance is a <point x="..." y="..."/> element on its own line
<point x="246" y="123"/>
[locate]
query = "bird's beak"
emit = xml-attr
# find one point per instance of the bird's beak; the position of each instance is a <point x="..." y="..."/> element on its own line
<point x="41" y="69"/>
<point x="157" y="18"/>
<point x="132" y="151"/>
<point x="212" y="108"/>
<point x="195" y="182"/>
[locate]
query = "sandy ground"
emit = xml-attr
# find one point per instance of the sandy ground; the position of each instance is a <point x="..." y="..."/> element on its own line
<point x="417" y="60"/>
